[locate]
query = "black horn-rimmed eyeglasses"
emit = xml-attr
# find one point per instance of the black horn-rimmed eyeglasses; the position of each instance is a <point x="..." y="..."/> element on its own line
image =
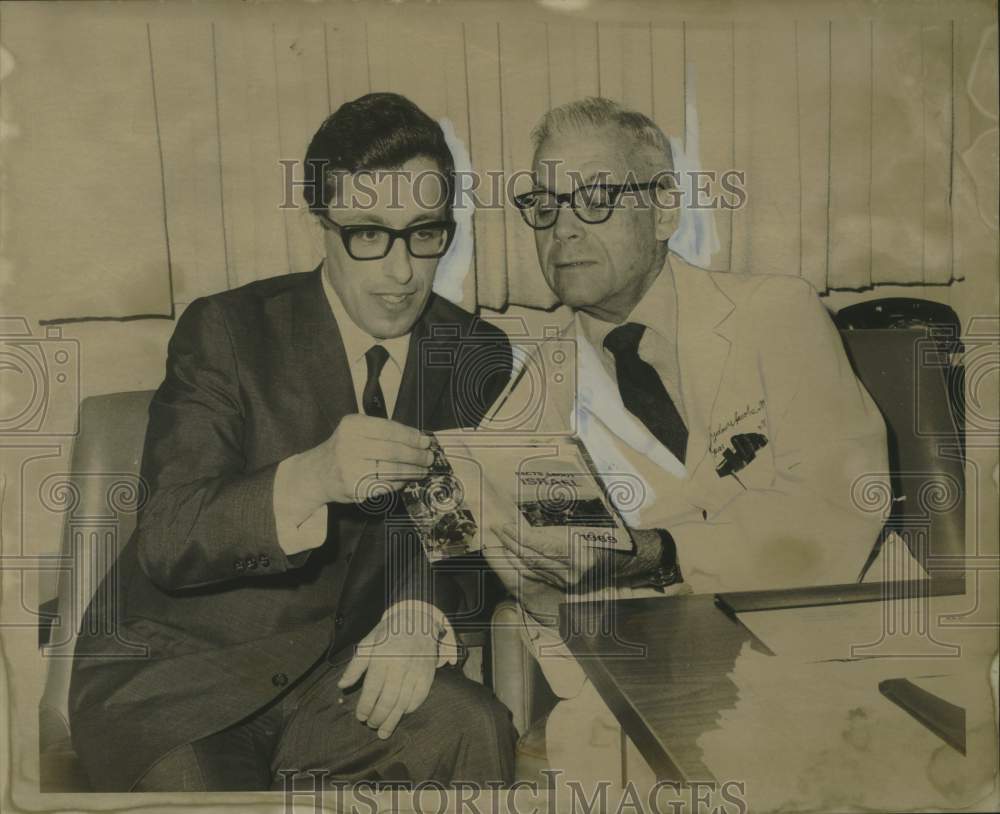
<point x="592" y="204"/>
<point x="369" y="241"/>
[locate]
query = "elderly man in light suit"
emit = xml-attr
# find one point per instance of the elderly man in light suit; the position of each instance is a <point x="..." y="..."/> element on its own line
<point x="728" y="396"/>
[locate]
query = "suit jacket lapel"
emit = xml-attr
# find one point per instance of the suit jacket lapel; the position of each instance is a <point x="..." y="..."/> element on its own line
<point x="318" y="339"/>
<point x="703" y="350"/>
<point x="408" y="410"/>
<point x="425" y="377"/>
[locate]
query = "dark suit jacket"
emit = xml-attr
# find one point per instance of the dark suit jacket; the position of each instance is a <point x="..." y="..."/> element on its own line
<point x="205" y="619"/>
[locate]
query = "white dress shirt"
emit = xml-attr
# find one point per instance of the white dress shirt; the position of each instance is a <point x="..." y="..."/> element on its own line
<point x="357" y="343"/>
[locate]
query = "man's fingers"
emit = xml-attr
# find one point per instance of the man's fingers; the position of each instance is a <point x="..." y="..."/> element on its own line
<point x="392" y="472"/>
<point x="502" y="554"/>
<point x="382" y="429"/>
<point x="389" y="696"/>
<point x="391" y="721"/>
<point x="506" y="565"/>
<point x="356" y="668"/>
<point x="421" y="689"/>
<point x="389" y="480"/>
<point x="371" y="690"/>
<point x="514" y="564"/>
<point x="536" y="560"/>
<point x="543" y="565"/>
<point x="509" y="549"/>
<point x="507" y="535"/>
<point x="496" y="555"/>
<point x="394" y="452"/>
<point x="557" y="547"/>
<point x="555" y="575"/>
<point x="499" y="559"/>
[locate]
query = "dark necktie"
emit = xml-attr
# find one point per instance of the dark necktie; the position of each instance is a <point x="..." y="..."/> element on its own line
<point x="642" y="390"/>
<point x="372" y="400"/>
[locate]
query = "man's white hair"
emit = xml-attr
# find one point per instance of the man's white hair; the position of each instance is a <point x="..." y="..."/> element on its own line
<point x="595" y="112"/>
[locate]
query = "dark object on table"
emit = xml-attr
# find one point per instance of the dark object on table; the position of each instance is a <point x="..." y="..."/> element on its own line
<point x="944" y="719"/>
<point x="735" y="602"/>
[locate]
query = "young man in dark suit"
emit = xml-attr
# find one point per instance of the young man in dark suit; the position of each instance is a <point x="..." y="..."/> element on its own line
<point x="271" y="572"/>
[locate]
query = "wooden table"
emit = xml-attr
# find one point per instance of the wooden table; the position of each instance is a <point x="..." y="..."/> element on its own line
<point x="662" y="672"/>
<point x="661" y="664"/>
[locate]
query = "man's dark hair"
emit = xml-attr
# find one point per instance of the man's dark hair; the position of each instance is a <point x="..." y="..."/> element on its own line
<point x="378" y="131"/>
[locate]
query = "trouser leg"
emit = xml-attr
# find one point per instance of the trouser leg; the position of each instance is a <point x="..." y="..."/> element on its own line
<point x="460" y="733"/>
<point x="235" y="759"/>
<point x="178" y="770"/>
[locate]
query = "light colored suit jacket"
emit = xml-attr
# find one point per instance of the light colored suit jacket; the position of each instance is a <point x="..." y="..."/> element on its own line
<point x="757" y="354"/>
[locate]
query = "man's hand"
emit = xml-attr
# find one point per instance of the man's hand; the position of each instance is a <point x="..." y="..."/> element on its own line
<point x="541" y="568"/>
<point x="544" y="565"/>
<point x="540" y="598"/>
<point x="555" y="557"/>
<point x="361" y="449"/>
<point x="398" y="660"/>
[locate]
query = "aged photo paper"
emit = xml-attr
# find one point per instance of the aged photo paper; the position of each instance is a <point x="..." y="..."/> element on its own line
<point x="480" y="406"/>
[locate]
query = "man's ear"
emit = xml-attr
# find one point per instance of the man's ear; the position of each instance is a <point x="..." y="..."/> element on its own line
<point x="666" y="197"/>
<point x="667" y="214"/>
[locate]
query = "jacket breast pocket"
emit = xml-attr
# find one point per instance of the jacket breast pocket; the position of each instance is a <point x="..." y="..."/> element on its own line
<point x="741" y="447"/>
<point x="757" y="472"/>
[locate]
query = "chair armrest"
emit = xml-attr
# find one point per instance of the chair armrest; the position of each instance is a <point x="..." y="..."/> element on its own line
<point x="517" y="679"/>
<point x="512" y="673"/>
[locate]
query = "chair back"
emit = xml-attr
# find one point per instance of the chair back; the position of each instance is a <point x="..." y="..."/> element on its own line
<point x="901" y="351"/>
<point x="102" y="495"/>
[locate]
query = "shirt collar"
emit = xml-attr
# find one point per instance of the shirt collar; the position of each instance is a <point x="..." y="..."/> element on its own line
<point x="656" y="311"/>
<point x="357" y="341"/>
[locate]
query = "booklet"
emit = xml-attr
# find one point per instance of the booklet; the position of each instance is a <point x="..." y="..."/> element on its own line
<point x="480" y="479"/>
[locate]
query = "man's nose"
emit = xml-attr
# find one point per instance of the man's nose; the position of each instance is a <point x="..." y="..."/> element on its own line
<point x="568" y="226"/>
<point x="398" y="263"/>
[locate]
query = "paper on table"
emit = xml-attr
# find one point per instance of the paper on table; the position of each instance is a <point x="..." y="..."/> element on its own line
<point x="894" y="562"/>
<point x="853" y="630"/>
<point x="832" y="742"/>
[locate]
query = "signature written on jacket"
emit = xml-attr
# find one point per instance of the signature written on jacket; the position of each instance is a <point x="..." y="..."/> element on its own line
<point x="714" y="446"/>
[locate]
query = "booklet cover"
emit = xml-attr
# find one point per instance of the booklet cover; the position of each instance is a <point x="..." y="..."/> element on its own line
<point x="479" y="479"/>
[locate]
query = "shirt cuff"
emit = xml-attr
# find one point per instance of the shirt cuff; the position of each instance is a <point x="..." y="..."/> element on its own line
<point x="298" y="529"/>
<point x="441" y="627"/>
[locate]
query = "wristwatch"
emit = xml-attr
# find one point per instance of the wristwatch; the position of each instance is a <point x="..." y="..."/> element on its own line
<point x="667" y="572"/>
